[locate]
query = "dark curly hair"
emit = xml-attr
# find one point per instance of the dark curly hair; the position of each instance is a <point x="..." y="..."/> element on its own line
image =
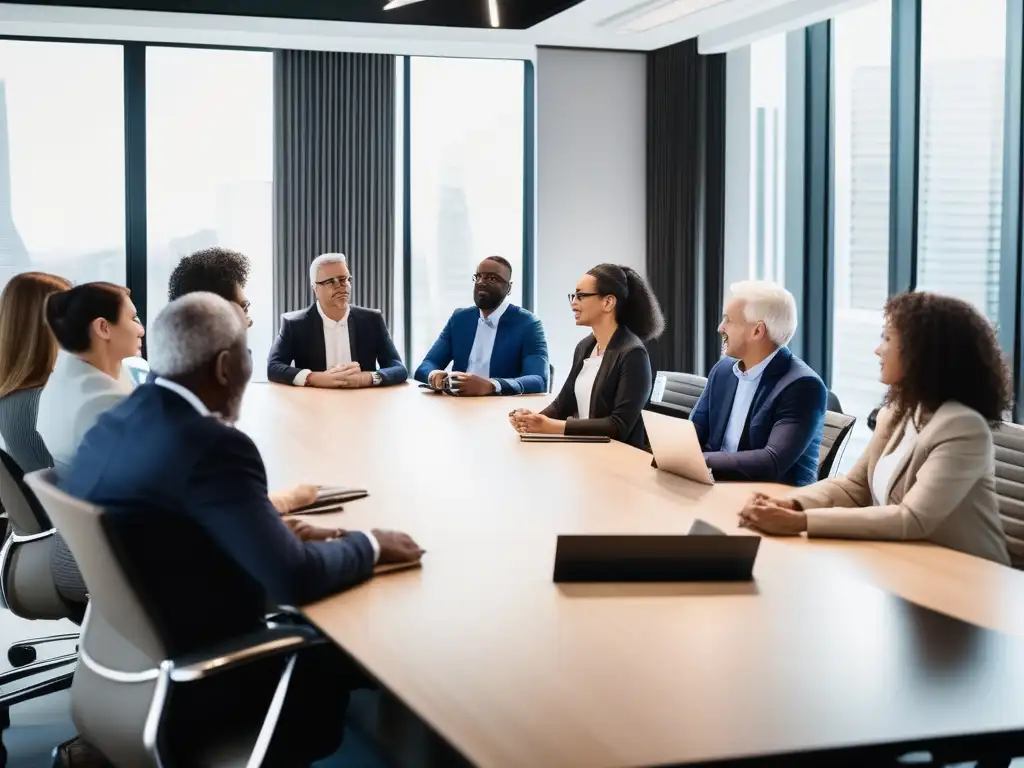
<point x="949" y="351"/>
<point x="215" y="270"/>
<point x="636" y="306"/>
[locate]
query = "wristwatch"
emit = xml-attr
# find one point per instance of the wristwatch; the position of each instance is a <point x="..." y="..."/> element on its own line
<point x="376" y="378"/>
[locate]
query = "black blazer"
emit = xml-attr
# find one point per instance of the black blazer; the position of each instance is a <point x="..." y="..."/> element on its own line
<point x="621" y="390"/>
<point x="300" y="346"/>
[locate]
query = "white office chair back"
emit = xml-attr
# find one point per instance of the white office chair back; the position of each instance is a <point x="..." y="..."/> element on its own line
<point x="110" y="591"/>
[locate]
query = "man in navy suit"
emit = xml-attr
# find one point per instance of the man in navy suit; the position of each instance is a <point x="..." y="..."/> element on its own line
<point x="170" y="450"/>
<point x="497" y="348"/>
<point x="333" y="344"/>
<point x="761" y="416"/>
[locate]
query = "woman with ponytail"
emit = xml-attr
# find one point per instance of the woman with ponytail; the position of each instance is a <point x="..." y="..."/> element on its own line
<point x="610" y="380"/>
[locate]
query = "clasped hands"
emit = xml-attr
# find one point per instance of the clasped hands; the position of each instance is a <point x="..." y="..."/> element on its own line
<point x="779" y="517"/>
<point x="395" y="547"/>
<point x="525" y="421"/>
<point x="346" y="376"/>
<point x="463" y="384"/>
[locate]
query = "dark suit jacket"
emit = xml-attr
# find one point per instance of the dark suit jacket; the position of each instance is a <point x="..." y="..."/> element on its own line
<point x="300" y="346"/>
<point x="783" y="431"/>
<point x="154" y="454"/>
<point x="519" y="359"/>
<point x="621" y="390"/>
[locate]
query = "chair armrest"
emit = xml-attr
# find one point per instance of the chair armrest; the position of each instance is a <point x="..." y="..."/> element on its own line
<point x="245" y="649"/>
<point x="669" y="409"/>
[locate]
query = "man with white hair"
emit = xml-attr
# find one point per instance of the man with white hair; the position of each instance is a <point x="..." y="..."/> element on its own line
<point x="332" y="343"/>
<point x="171" y="450"/>
<point x="761" y="415"/>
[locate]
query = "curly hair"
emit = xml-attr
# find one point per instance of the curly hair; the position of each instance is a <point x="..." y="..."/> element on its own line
<point x="636" y="306"/>
<point x="949" y="351"/>
<point x="214" y="270"/>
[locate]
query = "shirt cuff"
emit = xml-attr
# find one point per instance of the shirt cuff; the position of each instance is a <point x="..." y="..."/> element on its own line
<point x="497" y="386"/>
<point x="373" y="543"/>
<point x="300" y="378"/>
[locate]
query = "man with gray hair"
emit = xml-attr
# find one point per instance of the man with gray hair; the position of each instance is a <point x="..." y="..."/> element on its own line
<point x="334" y="344"/>
<point x="171" y="450"/>
<point x="761" y="415"/>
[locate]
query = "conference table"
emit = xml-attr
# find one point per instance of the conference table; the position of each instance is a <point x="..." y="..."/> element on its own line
<point x="838" y="652"/>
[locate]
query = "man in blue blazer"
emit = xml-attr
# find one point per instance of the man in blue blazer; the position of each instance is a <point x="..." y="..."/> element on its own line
<point x="761" y="415"/>
<point x="496" y="347"/>
<point x="170" y="450"/>
<point x="333" y="344"/>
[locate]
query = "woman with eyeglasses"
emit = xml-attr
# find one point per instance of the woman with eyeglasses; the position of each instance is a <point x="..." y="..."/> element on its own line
<point x="610" y="380"/>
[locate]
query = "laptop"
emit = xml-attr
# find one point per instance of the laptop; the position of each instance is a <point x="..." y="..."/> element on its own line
<point x="676" y="448"/>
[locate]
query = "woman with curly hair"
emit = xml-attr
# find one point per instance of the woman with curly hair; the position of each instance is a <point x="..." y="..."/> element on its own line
<point x="929" y="471"/>
<point x="610" y="380"/>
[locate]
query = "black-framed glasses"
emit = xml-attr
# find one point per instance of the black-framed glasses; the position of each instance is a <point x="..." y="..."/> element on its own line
<point x="580" y="296"/>
<point x="488" y="278"/>
<point x="335" y="282"/>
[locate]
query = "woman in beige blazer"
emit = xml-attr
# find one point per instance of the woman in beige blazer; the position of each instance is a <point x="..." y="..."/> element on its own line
<point x="929" y="471"/>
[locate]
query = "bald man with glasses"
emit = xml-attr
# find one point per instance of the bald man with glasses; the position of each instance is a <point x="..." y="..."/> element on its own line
<point x="495" y="347"/>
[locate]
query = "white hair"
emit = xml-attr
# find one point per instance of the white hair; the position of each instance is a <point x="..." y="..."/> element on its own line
<point x="191" y="331"/>
<point x="770" y="304"/>
<point x="326" y="258"/>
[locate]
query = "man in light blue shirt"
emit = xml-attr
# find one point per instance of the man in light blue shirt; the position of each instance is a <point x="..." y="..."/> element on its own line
<point x="761" y="415"/>
<point x="495" y="347"/>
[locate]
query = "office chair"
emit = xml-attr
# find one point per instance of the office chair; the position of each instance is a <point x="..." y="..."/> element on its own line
<point x="682" y="391"/>
<point x="149" y="642"/>
<point x="1009" y="440"/>
<point x="834" y="439"/>
<point x="27" y="589"/>
<point x="551" y="378"/>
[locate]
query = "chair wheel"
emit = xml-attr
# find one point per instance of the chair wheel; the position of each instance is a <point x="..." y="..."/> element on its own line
<point x="20" y="655"/>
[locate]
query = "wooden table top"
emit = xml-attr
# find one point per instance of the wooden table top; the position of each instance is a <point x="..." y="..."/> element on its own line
<point x="513" y="670"/>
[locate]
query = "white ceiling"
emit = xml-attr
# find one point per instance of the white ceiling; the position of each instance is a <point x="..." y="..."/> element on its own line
<point x="590" y="24"/>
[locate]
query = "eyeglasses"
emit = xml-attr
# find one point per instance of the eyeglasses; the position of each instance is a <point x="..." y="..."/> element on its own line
<point x="580" y="296"/>
<point x="245" y="306"/>
<point x="335" y="282"/>
<point x="489" y="278"/>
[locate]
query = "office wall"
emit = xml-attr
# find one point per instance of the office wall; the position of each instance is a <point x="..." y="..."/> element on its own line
<point x="591" y="172"/>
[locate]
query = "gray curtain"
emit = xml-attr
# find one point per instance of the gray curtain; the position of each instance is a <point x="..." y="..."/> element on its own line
<point x="334" y="173"/>
<point x="686" y="203"/>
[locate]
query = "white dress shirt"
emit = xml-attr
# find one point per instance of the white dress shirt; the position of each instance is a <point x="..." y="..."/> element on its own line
<point x="887" y="464"/>
<point x="746" y="388"/>
<point x="76" y="394"/>
<point x="337" y="346"/>
<point x="585" y="383"/>
<point x="190" y="397"/>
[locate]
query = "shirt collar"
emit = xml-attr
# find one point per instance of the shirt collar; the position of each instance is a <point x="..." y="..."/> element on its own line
<point x="328" y="321"/>
<point x="188" y="395"/>
<point x="495" y="316"/>
<point x="753" y="374"/>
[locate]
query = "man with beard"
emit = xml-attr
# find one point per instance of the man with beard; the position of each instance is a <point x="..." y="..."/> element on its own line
<point x="333" y="344"/>
<point x="170" y="451"/>
<point x="496" y="347"/>
<point x="761" y="414"/>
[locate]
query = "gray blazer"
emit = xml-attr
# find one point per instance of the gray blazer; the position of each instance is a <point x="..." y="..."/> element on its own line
<point x="943" y="491"/>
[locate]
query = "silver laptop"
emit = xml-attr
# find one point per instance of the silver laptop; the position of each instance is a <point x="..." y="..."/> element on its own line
<point x="676" y="448"/>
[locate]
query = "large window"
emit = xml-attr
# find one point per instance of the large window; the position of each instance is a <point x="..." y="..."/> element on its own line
<point x="963" y="53"/>
<point x="466" y="182"/>
<point x="861" y="86"/>
<point x="62" y="160"/>
<point x="768" y="158"/>
<point x="209" y="141"/>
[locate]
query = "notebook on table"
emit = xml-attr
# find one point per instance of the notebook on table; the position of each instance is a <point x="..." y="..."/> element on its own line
<point x="530" y="437"/>
<point x="331" y="499"/>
